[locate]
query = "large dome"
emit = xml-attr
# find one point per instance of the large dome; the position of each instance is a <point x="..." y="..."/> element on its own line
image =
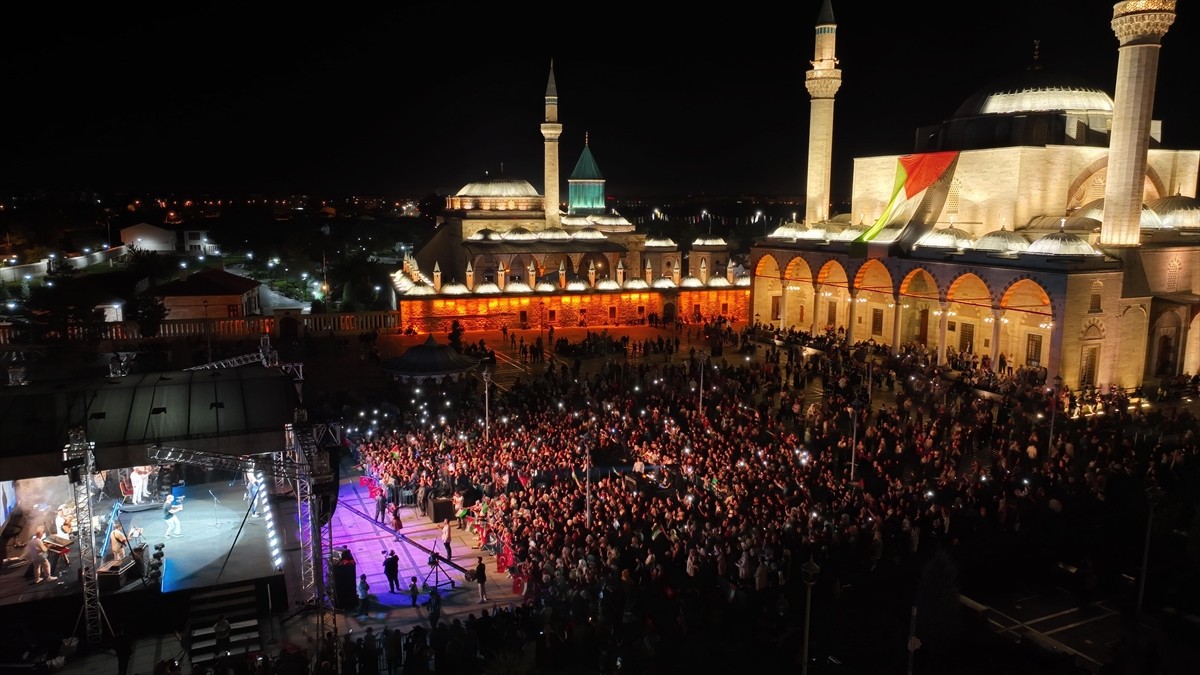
<point x="1001" y="241"/>
<point x="1035" y="90"/>
<point x="1094" y="209"/>
<point x="498" y="186"/>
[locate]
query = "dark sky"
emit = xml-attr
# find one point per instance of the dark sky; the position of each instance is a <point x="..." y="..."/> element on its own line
<point x="332" y="100"/>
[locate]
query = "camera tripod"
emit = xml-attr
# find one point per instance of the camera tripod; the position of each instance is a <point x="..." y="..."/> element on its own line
<point x="439" y="575"/>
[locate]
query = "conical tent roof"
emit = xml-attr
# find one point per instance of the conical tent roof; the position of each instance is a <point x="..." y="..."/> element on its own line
<point x="430" y="360"/>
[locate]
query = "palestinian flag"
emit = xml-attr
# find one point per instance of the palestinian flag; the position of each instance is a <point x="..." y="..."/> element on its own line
<point x="914" y="174"/>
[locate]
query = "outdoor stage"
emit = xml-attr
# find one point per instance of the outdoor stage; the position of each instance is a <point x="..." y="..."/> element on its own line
<point x="221" y="544"/>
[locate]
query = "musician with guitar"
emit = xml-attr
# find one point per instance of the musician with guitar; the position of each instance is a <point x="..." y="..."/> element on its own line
<point x="170" y="515"/>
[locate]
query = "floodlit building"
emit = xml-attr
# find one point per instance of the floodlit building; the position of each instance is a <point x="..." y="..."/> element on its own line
<point x="1045" y="220"/>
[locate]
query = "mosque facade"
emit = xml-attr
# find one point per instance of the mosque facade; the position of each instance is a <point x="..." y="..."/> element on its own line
<point x="1045" y="222"/>
<point x="504" y="255"/>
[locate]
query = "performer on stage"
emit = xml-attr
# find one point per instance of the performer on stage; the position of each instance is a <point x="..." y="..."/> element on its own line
<point x="118" y="543"/>
<point x="170" y="515"/>
<point x="38" y="555"/>
<point x="137" y="479"/>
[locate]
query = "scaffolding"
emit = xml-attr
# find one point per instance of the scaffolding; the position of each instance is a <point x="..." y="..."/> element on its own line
<point x="307" y="464"/>
<point x="79" y="463"/>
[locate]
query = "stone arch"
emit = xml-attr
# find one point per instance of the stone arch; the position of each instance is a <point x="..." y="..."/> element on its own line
<point x="603" y="267"/>
<point x="874" y="303"/>
<point x="519" y="266"/>
<point x="768" y="291"/>
<point x="550" y="264"/>
<point x="1092" y="329"/>
<point x="965" y="289"/>
<point x="486" y="266"/>
<point x="1166" y="343"/>
<point x="920" y="283"/>
<point x="1026" y="294"/>
<point x="1078" y="194"/>
<point x="798" y="293"/>
<point x="920" y="297"/>
<point x="874" y="276"/>
<point x="830" y="306"/>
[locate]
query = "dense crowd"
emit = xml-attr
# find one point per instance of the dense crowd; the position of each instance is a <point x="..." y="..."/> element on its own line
<point x="685" y="546"/>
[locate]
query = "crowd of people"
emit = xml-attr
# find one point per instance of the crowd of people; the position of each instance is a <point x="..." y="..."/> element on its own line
<point x="699" y="557"/>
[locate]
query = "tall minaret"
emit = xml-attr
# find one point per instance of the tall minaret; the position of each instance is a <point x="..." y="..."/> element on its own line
<point x="551" y="130"/>
<point x="1140" y="26"/>
<point x="822" y="83"/>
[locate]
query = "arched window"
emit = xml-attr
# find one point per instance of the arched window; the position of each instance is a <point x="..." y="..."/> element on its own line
<point x="1094" y="307"/>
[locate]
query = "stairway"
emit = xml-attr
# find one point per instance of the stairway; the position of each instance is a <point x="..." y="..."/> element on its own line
<point x="239" y="604"/>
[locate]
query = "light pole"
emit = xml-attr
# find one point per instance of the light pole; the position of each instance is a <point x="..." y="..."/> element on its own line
<point x="587" y="498"/>
<point x="542" y="321"/>
<point x="487" y="408"/>
<point x="1153" y="496"/>
<point x="1053" y="413"/>
<point x="703" y="357"/>
<point x="208" y="331"/>
<point x="809" y="572"/>
<point x="855" y="406"/>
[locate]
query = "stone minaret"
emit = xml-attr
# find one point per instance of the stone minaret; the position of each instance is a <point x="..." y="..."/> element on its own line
<point x="551" y="130"/>
<point x="1140" y="26"/>
<point x="822" y="83"/>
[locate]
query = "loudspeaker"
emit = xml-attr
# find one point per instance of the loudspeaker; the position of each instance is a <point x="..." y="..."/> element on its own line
<point x="439" y="509"/>
<point x="345" y="595"/>
<point x="111" y="576"/>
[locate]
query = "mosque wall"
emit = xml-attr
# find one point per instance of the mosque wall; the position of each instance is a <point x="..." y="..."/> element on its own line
<point x="437" y="314"/>
<point x="1088" y="325"/>
<point x="1177" y="170"/>
<point x="1130" y="347"/>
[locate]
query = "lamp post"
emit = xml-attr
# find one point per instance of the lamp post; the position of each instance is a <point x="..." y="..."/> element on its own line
<point x="487" y="408"/>
<point x="542" y="321"/>
<point x="1154" y="494"/>
<point x="1053" y="413"/>
<point x="855" y="406"/>
<point x="703" y="357"/>
<point x="208" y="331"/>
<point x="587" y="498"/>
<point x="809" y="572"/>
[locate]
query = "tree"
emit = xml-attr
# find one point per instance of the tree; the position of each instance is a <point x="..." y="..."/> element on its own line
<point x="456" y="334"/>
<point x="150" y="313"/>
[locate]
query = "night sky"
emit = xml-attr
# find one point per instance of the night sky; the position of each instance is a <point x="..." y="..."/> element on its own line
<point x="328" y="100"/>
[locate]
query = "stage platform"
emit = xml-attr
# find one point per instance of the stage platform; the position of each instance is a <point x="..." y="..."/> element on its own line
<point x="221" y="544"/>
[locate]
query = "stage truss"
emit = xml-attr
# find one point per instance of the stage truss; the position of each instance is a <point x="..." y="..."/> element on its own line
<point x="79" y="462"/>
<point x="307" y="465"/>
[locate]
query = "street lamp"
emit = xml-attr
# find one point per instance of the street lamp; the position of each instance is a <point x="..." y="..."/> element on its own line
<point x="487" y="409"/>
<point x="855" y="406"/>
<point x="703" y="357"/>
<point x="808" y="572"/>
<point x="1053" y="413"/>
<point x="542" y="321"/>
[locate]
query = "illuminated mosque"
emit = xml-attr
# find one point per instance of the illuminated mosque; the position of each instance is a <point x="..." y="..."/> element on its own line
<point x="1044" y="221"/>
<point x="504" y="255"/>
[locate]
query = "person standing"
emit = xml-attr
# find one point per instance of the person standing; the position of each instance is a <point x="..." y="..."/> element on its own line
<point x="222" y="630"/>
<point x="364" y="596"/>
<point x="391" y="569"/>
<point x="380" y="504"/>
<point x="118" y="543"/>
<point x="171" y="517"/>
<point x="481" y="579"/>
<point x="446" y="537"/>
<point x="434" y="604"/>
<point x="397" y="524"/>
<point x="413" y="592"/>
<point x="39" y="557"/>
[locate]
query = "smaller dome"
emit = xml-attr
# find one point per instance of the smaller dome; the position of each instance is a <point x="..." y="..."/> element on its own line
<point x="608" y="285"/>
<point x="487" y="288"/>
<point x="484" y="235"/>
<point x="788" y="231"/>
<point x="1178" y="211"/>
<point x="517" y="287"/>
<point x="1001" y="241"/>
<point x="1075" y="223"/>
<point x="814" y="233"/>
<point x="553" y="233"/>
<point x="709" y="241"/>
<point x="718" y="281"/>
<point x="401" y="281"/>
<point x="849" y="234"/>
<point x="946" y="237"/>
<point x="588" y="233"/>
<point x="519" y="234"/>
<point x="610" y="221"/>
<point x="455" y="288"/>
<point x="498" y="186"/>
<point x="636" y="284"/>
<point x="420" y="289"/>
<point x="663" y="282"/>
<point x="577" y="285"/>
<point x="663" y="242"/>
<point x="1061" y="243"/>
<point x="545" y="287"/>
<point x="576" y="221"/>
<point x="1095" y="209"/>
<point x="742" y="279"/>
<point x="690" y="282"/>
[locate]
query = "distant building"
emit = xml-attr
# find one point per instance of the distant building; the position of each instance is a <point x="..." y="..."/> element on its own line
<point x="211" y="294"/>
<point x="148" y="237"/>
